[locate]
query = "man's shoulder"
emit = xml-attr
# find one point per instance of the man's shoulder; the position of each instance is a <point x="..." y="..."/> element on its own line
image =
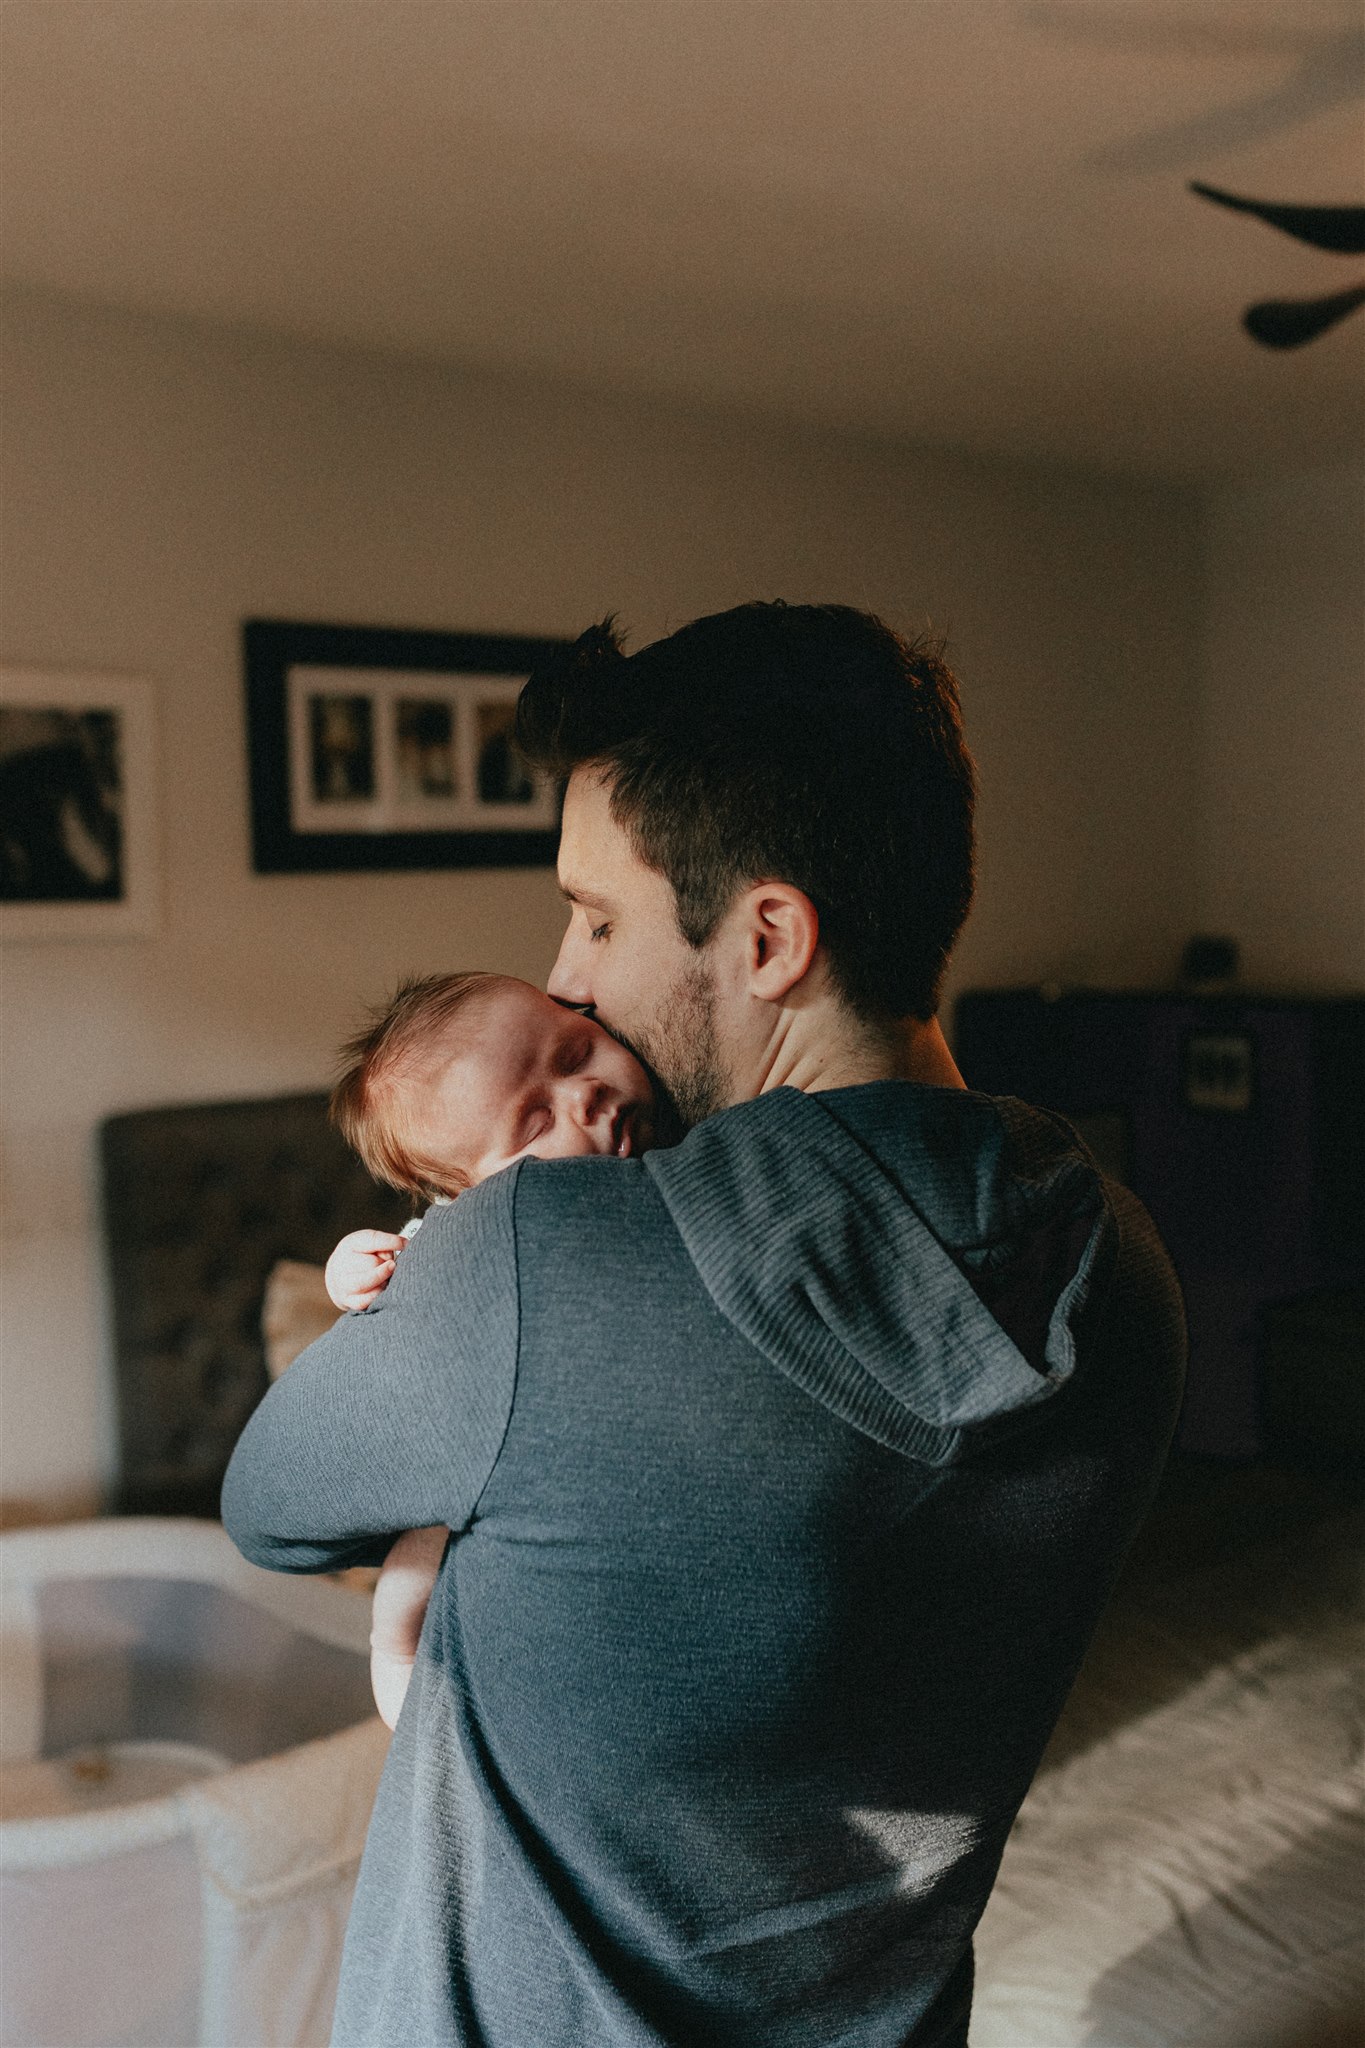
<point x="583" y="1191"/>
<point x="534" y="1204"/>
<point x="596" y="1221"/>
<point x="470" y="1229"/>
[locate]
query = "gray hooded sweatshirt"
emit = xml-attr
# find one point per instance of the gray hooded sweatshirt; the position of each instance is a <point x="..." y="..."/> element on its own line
<point x="788" y="1472"/>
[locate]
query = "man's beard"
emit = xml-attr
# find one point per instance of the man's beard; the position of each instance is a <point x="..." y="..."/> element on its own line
<point x="683" y="1055"/>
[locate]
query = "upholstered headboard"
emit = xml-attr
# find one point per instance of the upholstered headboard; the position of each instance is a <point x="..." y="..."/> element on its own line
<point x="199" y="1204"/>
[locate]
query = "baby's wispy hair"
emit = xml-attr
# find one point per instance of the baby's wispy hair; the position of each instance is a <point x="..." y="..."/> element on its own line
<point x="368" y="1103"/>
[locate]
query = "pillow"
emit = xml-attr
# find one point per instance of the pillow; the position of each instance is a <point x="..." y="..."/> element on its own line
<point x="296" y="1310"/>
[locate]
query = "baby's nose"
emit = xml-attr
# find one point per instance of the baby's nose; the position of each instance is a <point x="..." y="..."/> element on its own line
<point x="589" y="1099"/>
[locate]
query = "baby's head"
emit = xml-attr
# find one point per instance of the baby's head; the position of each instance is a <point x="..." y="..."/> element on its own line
<point x="463" y="1073"/>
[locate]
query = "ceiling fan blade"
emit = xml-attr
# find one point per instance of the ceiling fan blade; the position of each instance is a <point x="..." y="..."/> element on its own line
<point x="1339" y="228"/>
<point x="1288" y="323"/>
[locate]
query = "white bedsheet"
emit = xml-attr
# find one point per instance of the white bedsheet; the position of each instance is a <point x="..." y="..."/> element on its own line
<point x="1196" y="1879"/>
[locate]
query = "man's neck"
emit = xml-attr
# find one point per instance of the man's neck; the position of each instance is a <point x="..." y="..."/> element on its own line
<point x="926" y="1055"/>
<point x="914" y="1049"/>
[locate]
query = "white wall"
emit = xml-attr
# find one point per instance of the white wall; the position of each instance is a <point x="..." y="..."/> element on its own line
<point x="163" y="481"/>
<point x="1284" y="709"/>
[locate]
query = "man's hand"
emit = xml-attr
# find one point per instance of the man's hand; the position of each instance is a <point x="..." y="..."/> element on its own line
<point x="361" y="1267"/>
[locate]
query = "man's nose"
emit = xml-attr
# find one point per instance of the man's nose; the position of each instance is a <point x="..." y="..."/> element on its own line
<point x="568" y="982"/>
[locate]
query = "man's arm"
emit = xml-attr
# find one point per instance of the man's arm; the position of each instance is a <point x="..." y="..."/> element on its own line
<point x="395" y="1418"/>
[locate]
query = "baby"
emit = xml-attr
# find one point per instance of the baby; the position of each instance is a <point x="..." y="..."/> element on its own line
<point x="461" y="1075"/>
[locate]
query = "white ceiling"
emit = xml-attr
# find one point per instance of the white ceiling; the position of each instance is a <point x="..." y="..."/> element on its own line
<point x="960" y="222"/>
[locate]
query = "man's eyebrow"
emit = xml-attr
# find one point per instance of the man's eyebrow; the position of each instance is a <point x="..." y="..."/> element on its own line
<point x="573" y="894"/>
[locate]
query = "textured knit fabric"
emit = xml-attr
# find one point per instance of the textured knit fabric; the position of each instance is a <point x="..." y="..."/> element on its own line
<point x="788" y="1472"/>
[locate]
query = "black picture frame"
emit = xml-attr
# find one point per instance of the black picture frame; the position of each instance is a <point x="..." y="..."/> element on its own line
<point x="451" y="823"/>
<point x="1218" y="1072"/>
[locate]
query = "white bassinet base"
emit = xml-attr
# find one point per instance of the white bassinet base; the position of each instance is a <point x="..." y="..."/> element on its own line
<point x="189" y="1762"/>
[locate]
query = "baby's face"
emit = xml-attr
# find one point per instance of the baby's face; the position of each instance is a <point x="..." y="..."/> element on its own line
<point x="534" y="1081"/>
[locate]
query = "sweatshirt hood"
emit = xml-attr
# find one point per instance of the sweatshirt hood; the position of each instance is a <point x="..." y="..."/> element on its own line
<point x="918" y="1259"/>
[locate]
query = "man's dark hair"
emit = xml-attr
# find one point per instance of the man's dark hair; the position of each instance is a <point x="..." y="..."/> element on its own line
<point x="800" y="743"/>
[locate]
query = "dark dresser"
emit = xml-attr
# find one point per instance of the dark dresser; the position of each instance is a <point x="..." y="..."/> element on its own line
<point x="1238" y="1118"/>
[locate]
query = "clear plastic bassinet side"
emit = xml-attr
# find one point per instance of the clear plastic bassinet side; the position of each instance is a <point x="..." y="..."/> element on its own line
<point x="188" y="1757"/>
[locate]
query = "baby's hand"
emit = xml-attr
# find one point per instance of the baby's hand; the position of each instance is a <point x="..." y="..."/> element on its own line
<point x="361" y="1267"/>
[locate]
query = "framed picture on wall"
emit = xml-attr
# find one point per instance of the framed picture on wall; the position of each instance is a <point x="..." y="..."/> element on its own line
<point x="375" y="747"/>
<point x="77" y="806"/>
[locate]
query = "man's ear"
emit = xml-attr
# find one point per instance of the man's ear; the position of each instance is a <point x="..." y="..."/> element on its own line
<point x="781" y="928"/>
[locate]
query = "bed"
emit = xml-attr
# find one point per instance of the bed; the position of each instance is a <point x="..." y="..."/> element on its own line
<point x="202" y="1202"/>
<point x="1188" y="1870"/>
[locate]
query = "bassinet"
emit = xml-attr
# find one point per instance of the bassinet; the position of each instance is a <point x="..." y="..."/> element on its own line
<point x="188" y="1757"/>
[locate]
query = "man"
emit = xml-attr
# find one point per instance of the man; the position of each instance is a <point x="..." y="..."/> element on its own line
<point x="788" y="1469"/>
